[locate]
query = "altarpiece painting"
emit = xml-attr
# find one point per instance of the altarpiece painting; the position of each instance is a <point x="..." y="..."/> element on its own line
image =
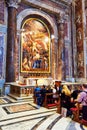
<point x="35" y="47"/>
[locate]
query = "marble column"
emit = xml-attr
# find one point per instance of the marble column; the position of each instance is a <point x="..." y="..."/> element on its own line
<point x="61" y="49"/>
<point x="11" y="40"/>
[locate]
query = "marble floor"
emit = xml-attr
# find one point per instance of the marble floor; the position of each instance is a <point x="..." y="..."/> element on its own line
<point x="36" y="119"/>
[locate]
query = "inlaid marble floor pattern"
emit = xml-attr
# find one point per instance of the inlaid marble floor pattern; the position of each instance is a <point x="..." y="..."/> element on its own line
<point x="37" y="119"/>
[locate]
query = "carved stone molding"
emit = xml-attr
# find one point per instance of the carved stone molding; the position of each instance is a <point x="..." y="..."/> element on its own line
<point x="60" y="18"/>
<point x="13" y="3"/>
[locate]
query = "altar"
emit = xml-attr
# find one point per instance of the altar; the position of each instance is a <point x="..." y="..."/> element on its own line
<point x="24" y="88"/>
<point x="21" y="90"/>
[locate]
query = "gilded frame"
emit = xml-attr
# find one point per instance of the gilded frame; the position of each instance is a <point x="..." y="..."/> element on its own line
<point x="35" y="47"/>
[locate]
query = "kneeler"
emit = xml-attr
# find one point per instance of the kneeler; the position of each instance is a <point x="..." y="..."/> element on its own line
<point x="75" y="112"/>
<point x="84" y="122"/>
<point x="59" y="106"/>
<point x="49" y="102"/>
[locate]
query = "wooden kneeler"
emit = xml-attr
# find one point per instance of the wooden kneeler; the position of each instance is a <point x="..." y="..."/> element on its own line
<point x="84" y="122"/>
<point x="49" y="102"/>
<point x="59" y="106"/>
<point x="76" y="112"/>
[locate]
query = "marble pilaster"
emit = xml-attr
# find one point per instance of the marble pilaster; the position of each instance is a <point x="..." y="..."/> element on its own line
<point x="61" y="55"/>
<point x="79" y="39"/>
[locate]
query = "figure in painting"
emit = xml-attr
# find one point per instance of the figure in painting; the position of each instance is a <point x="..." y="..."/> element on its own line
<point x="78" y="19"/>
<point x="25" y="63"/>
<point x="79" y="36"/>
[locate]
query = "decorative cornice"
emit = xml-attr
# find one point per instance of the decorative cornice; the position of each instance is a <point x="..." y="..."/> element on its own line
<point x="43" y="6"/>
<point x="63" y="2"/>
<point x="50" y="8"/>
